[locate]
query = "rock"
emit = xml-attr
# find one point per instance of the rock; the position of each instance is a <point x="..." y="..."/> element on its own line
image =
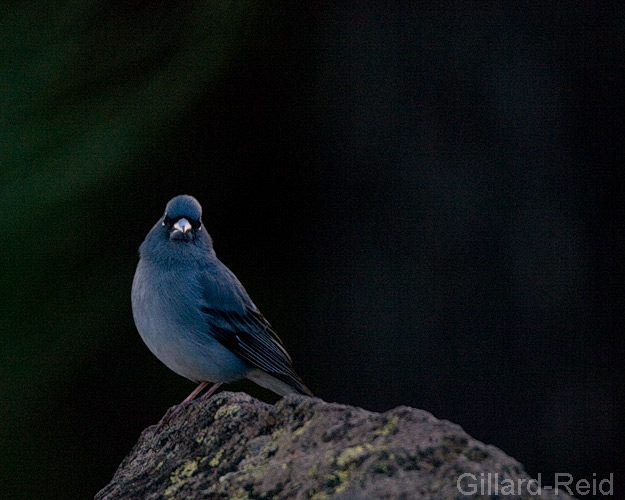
<point x="236" y="447"/>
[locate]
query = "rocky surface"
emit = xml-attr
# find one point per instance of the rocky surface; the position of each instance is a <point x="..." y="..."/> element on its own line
<point x="236" y="447"/>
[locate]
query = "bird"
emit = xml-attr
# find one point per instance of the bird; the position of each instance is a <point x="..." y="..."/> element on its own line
<point x="194" y="314"/>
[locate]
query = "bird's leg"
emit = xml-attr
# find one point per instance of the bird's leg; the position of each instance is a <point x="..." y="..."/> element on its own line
<point x="210" y="391"/>
<point x="194" y="394"/>
<point x="175" y="409"/>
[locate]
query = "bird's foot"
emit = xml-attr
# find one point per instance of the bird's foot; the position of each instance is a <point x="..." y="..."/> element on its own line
<point x="173" y="411"/>
<point x="169" y="414"/>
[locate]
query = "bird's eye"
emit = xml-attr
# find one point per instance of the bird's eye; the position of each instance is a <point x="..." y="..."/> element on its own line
<point x="167" y="221"/>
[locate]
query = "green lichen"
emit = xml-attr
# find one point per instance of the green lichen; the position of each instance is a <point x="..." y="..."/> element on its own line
<point x="216" y="459"/>
<point x="227" y="411"/>
<point x="385" y="467"/>
<point x="385" y="462"/>
<point x="252" y="473"/>
<point x="240" y="496"/>
<point x="239" y="484"/>
<point x="278" y="434"/>
<point x="299" y="431"/>
<point x="205" y="437"/>
<point x="346" y="466"/>
<point x="319" y="496"/>
<point x="269" y="451"/>
<point x="338" y="481"/>
<point x="390" y="427"/>
<point x="353" y="454"/>
<point x="342" y="487"/>
<point x="380" y="468"/>
<point x="178" y="476"/>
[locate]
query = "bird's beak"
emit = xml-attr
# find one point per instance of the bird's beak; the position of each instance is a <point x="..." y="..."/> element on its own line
<point x="180" y="229"/>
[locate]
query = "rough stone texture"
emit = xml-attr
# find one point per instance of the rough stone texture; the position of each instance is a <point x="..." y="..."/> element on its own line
<point x="236" y="447"/>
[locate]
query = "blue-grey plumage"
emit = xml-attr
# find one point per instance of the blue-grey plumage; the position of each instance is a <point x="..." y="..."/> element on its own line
<point x="194" y="314"/>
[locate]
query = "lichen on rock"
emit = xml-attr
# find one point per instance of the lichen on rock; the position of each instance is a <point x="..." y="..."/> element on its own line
<point x="236" y="447"/>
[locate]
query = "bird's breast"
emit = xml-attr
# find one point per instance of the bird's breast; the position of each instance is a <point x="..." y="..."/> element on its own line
<point x="167" y="309"/>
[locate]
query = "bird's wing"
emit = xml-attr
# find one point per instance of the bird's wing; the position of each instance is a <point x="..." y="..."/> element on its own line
<point x="249" y="335"/>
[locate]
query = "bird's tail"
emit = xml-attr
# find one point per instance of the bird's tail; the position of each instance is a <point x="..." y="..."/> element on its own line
<point x="279" y="383"/>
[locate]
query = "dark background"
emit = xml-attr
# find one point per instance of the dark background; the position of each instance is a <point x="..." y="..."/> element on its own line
<point x="425" y="202"/>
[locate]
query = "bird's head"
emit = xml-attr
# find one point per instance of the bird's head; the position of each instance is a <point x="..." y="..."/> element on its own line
<point x="183" y="218"/>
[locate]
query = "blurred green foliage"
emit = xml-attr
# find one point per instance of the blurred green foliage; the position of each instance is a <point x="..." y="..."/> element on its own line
<point x="87" y="89"/>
